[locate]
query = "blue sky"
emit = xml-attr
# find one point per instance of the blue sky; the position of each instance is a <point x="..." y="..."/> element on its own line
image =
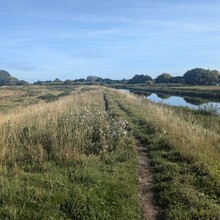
<point x="69" y="39"/>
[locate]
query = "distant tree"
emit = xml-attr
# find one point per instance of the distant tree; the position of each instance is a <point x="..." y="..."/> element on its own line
<point x="68" y="82"/>
<point x="22" y="83"/>
<point x="11" y="81"/>
<point x="57" y="82"/>
<point x="47" y="82"/>
<point x="2" y="82"/>
<point x="177" y="79"/>
<point x="163" y="78"/>
<point x="108" y="81"/>
<point x="139" y="79"/>
<point x="200" y="76"/>
<point x="7" y="79"/>
<point x="4" y="74"/>
<point x="92" y="78"/>
<point x="38" y="82"/>
<point x="79" y="81"/>
<point x="99" y="80"/>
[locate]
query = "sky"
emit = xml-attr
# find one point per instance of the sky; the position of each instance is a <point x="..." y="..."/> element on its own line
<point x="71" y="39"/>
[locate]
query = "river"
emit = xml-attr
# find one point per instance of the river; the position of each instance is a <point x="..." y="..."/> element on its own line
<point x="190" y="102"/>
<point x="193" y="103"/>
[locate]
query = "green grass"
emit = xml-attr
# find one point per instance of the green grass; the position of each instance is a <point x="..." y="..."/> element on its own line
<point x="75" y="158"/>
<point x="88" y="189"/>
<point x="67" y="159"/>
<point x="185" y="188"/>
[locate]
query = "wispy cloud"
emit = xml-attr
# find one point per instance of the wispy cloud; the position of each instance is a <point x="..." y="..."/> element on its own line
<point x="190" y="25"/>
<point x="93" y="36"/>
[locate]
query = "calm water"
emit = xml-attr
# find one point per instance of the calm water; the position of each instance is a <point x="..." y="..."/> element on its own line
<point x="183" y="102"/>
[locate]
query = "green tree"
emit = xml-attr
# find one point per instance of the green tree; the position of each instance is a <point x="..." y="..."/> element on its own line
<point x="68" y="82"/>
<point x="92" y="78"/>
<point x="7" y="79"/>
<point x="200" y="76"/>
<point x="163" y="78"/>
<point x="22" y="83"/>
<point x="4" y="75"/>
<point x="140" y="79"/>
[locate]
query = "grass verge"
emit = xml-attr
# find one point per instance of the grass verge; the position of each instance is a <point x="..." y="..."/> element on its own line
<point x="184" y="155"/>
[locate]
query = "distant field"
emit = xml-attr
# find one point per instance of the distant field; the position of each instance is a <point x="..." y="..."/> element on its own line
<point x="8" y="93"/>
<point x="198" y="88"/>
<point x="69" y="153"/>
<point x="15" y="97"/>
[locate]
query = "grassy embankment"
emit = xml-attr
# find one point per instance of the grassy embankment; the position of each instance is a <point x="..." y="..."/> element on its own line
<point x="184" y="154"/>
<point x="67" y="160"/>
<point x="71" y="159"/>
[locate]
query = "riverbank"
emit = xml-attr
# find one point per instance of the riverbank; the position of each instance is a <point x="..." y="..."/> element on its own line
<point x="209" y="92"/>
<point x="184" y="156"/>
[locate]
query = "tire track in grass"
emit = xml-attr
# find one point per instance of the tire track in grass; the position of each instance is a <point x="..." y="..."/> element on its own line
<point x="145" y="183"/>
<point x="106" y="102"/>
<point x="150" y="211"/>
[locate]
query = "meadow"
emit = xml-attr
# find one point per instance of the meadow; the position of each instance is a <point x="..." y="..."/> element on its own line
<point x="70" y="153"/>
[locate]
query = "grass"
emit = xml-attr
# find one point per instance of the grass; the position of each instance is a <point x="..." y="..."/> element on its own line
<point x="184" y="155"/>
<point x="67" y="159"/>
<point x="13" y="98"/>
<point x="73" y="157"/>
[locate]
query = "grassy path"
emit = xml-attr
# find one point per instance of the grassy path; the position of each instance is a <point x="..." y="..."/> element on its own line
<point x="184" y="188"/>
<point x="144" y="176"/>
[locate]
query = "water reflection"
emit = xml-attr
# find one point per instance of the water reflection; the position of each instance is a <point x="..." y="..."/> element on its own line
<point x="182" y="102"/>
<point x="196" y="101"/>
<point x="163" y="96"/>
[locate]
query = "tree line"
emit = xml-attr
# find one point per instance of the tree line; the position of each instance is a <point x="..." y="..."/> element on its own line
<point x="7" y="80"/>
<point x="196" y="76"/>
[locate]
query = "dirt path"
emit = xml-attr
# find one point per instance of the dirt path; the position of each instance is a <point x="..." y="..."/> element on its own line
<point x="146" y="184"/>
<point x="150" y="211"/>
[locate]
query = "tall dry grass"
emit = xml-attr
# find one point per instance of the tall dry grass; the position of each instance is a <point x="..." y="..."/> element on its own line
<point x="59" y="131"/>
<point x="185" y="134"/>
<point x="68" y="159"/>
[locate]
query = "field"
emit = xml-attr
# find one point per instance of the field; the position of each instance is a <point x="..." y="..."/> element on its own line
<point x="12" y="98"/>
<point x="70" y="153"/>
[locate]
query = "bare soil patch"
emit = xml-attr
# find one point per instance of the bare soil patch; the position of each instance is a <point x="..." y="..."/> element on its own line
<point x="146" y="184"/>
